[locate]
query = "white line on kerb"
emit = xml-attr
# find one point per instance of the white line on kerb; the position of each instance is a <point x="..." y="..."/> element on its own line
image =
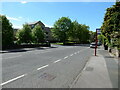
<point x="13" y="79"/>
<point x="65" y="57"/>
<point x="57" y="61"/>
<point x="12" y="57"/>
<point x="42" y="67"/>
<point x="71" y="55"/>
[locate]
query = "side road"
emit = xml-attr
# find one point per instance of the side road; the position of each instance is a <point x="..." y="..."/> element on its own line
<point x="101" y="71"/>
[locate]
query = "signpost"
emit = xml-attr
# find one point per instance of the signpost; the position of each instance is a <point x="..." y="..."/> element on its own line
<point x="98" y="32"/>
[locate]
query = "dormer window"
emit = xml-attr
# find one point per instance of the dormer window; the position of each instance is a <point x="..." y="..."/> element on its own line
<point x="32" y="26"/>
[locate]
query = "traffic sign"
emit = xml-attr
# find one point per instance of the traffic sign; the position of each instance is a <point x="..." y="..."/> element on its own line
<point x="98" y="31"/>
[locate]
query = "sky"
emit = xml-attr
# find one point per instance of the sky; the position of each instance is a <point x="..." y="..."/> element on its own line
<point x="89" y="13"/>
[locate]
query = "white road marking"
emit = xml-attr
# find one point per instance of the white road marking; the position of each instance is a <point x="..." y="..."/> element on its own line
<point x="71" y="55"/>
<point x="65" y="57"/>
<point x="13" y="79"/>
<point x="57" y="61"/>
<point x="75" y="53"/>
<point x="43" y="67"/>
<point x="12" y="57"/>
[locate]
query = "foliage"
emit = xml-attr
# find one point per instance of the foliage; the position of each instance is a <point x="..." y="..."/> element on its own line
<point x="64" y="30"/>
<point x="101" y="38"/>
<point x="75" y="32"/>
<point x="38" y="34"/>
<point x="61" y="29"/>
<point x="111" y="24"/>
<point x="92" y="36"/>
<point x="85" y="33"/>
<point x="24" y="35"/>
<point x="7" y="31"/>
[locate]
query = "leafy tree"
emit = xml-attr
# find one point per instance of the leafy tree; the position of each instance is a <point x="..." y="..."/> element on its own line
<point x="61" y="29"/>
<point x="75" y="31"/>
<point x="38" y="34"/>
<point x="7" y="31"/>
<point x="101" y="38"/>
<point x="92" y="36"/>
<point x="111" y="24"/>
<point x="85" y="33"/>
<point x="24" y="35"/>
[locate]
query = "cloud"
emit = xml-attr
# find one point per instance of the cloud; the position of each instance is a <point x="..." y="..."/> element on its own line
<point x="48" y="25"/>
<point x="23" y="2"/>
<point x="12" y="18"/>
<point x="17" y="26"/>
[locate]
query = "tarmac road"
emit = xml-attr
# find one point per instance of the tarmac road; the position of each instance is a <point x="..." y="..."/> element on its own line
<point x="44" y="68"/>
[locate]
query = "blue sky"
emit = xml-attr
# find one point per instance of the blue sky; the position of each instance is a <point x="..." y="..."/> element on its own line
<point x="89" y="13"/>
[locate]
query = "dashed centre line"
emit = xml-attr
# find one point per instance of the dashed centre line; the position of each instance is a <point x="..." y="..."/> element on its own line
<point x="75" y="53"/>
<point x="37" y="68"/>
<point x="71" y="55"/>
<point x="43" y="67"/>
<point x="57" y="61"/>
<point x="65" y="57"/>
<point x="13" y="79"/>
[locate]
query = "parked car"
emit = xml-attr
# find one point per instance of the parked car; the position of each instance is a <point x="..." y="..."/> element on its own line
<point x="93" y="45"/>
<point x="99" y="43"/>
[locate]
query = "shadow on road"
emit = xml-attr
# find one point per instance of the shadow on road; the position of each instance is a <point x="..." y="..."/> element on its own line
<point x="26" y="49"/>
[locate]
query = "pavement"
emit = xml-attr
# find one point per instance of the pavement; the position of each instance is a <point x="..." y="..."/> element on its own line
<point x="101" y="71"/>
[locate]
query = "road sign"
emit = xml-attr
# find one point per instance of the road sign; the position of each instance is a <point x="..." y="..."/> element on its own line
<point x="98" y="31"/>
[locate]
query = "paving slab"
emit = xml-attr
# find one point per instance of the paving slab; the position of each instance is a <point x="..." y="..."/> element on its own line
<point x="97" y="75"/>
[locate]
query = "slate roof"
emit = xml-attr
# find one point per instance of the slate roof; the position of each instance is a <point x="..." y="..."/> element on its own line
<point x="31" y="23"/>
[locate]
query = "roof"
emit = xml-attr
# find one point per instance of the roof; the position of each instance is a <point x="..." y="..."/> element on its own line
<point x="31" y="23"/>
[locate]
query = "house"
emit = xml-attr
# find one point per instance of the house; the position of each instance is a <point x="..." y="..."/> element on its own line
<point x="15" y="30"/>
<point x="46" y="30"/>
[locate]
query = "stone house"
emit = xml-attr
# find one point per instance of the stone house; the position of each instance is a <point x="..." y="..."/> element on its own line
<point x="46" y="30"/>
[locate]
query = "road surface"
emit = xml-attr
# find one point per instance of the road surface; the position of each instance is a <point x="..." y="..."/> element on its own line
<point x="44" y="68"/>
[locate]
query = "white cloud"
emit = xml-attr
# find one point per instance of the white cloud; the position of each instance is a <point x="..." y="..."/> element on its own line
<point x="17" y="26"/>
<point x="23" y="2"/>
<point x="12" y="18"/>
<point x="48" y="25"/>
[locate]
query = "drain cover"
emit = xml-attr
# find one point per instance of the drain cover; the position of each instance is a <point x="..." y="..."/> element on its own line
<point x="89" y="69"/>
<point x="47" y="76"/>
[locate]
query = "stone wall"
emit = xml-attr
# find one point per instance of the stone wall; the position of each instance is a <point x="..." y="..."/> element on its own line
<point x="115" y="51"/>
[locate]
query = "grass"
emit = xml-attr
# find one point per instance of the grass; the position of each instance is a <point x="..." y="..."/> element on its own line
<point x="58" y="43"/>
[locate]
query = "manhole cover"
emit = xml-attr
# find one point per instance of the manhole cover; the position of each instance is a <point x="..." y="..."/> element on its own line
<point x="89" y="69"/>
<point x="47" y="76"/>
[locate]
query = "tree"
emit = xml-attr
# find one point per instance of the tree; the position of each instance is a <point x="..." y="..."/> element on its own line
<point x="24" y="35"/>
<point x="75" y="31"/>
<point x="61" y="29"/>
<point x="85" y="33"/>
<point x="92" y="36"/>
<point x="111" y="24"/>
<point x="7" y="32"/>
<point x="38" y="34"/>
